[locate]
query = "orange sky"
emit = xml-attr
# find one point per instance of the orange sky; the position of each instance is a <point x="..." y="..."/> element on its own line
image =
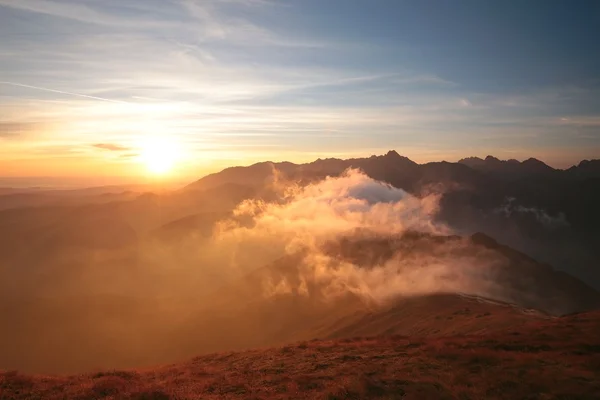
<point x="85" y="86"/>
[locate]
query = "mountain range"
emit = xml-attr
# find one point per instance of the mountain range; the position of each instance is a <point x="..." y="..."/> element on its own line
<point x="276" y="253"/>
<point x="549" y="213"/>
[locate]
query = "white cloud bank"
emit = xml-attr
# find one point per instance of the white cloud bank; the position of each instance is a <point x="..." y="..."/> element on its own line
<point x="309" y="219"/>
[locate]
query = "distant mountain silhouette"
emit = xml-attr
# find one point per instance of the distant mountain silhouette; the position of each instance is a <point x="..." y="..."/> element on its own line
<point x="400" y="171"/>
<point x="509" y="168"/>
<point x="391" y="168"/>
<point x="586" y="169"/>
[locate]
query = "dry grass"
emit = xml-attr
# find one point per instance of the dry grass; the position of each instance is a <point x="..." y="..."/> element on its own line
<point x="546" y="359"/>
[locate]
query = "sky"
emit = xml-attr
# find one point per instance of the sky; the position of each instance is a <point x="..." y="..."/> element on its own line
<point x="92" y="88"/>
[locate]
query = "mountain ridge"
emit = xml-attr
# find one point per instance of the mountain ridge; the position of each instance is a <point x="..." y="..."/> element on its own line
<point x="490" y="164"/>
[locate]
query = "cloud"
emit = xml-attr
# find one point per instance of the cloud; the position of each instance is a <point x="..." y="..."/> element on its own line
<point x="587" y="121"/>
<point x="110" y="147"/>
<point x="510" y="208"/>
<point x="306" y="220"/>
<point x="60" y="92"/>
<point x="354" y="235"/>
<point x="129" y="155"/>
<point x="77" y="11"/>
<point x="14" y="129"/>
<point x="203" y="71"/>
<point x="313" y="214"/>
<point x="425" y="80"/>
<point x="299" y="219"/>
<point x="216" y="24"/>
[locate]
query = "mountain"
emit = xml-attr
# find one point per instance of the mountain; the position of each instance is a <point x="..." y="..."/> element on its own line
<point x="508" y="169"/>
<point x="200" y="224"/>
<point x="275" y="253"/>
<point x="485" y="288"/>
<point x="256" y="175"/>
<point x="391" y="168"/>
<point x="585" y="169"/>
<point x="294" y="299"/>
<point x="550" y="214"/>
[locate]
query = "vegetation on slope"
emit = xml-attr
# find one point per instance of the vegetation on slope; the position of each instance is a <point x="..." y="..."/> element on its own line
<point x="555" y="358"/>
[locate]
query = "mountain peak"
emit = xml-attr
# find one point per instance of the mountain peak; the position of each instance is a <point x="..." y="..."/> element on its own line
<point x="589" y="164"/>
<point x="510" y="167"/>
<point x="532" y="160"/>
<point x="484" y="240"/>
<point x="491" y="158"/>
<point x="393" y="155"/>
<point x="536" y="165"/>
<point x="473" y="162"/>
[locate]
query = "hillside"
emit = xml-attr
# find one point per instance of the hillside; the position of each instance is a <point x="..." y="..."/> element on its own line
<point x="555" y="358"/>
<point x="83" y="334"/>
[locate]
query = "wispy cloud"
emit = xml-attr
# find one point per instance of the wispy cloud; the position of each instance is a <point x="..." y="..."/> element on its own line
<point x="61" y="92"/>
<point x="111" y="147"/>
<point x="585" y="121"/>
<point x="80" y="12"/>
<point x="15" y="129"/>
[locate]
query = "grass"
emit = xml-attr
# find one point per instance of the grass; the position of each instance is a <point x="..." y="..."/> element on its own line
<point x="549" y="359"/>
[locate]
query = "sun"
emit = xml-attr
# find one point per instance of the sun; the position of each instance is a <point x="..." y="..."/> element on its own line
<point x="159" y="154"/>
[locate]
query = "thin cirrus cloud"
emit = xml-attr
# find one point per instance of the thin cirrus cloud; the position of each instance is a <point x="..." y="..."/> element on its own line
<point x="258" y="78"/>
<point x="110" y="147"/>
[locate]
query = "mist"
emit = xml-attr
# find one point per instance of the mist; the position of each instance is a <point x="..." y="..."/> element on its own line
<point x="261" y="271"/>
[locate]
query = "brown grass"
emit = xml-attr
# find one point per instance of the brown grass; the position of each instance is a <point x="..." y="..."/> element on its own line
<point x="546" y="359"/>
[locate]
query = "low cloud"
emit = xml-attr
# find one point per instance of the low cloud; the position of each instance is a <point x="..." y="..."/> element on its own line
<point x="511" y="207"/>
<point x="354" y="235"/>
<point x="270" y="269"/>
<point x="311" y="220"/>
<point x="308" y="216"/>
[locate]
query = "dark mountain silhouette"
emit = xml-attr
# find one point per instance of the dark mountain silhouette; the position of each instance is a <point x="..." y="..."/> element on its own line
<point x="508" y="169"/>
<point x="585" y="169"/>
<point x="399" y="171"/>
<point x="391" y="168"/>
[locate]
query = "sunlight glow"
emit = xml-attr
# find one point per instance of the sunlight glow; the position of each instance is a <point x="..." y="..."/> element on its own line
<point x="160" y="154"/>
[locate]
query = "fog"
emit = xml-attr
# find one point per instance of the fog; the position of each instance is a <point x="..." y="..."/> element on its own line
<point x="266" y="271"/>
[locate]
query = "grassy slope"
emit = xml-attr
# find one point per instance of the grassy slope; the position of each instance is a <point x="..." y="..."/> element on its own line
<point x="556" y="358"/>
<point x="432" y="315"/>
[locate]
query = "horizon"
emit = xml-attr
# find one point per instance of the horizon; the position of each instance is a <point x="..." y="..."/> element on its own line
<point x="166" y="183"/>
<point x="171" y="91"/>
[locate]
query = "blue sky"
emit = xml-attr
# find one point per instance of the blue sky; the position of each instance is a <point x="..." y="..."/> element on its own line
<point x="84" y="83"/>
